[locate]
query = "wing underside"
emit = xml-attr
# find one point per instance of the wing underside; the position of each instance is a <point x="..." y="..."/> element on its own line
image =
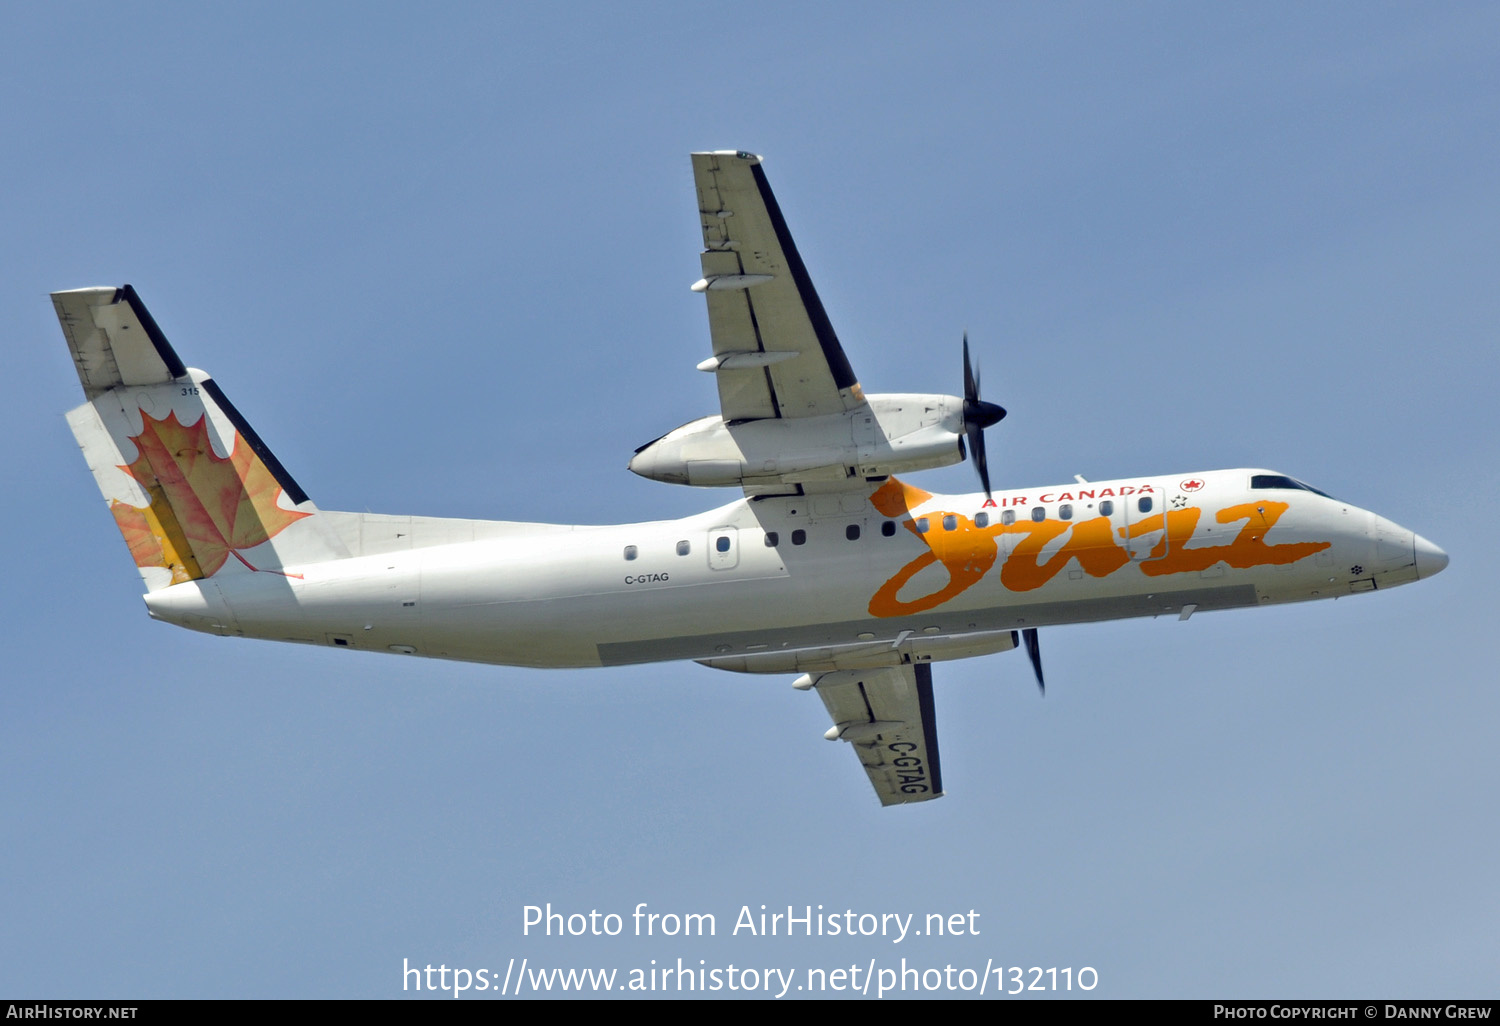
<point x="775" y="350"/>
<point x="887" y="715"/>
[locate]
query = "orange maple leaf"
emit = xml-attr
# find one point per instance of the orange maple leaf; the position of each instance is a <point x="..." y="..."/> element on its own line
<point x="220" y="504"/>
<point x="154" y="537"/>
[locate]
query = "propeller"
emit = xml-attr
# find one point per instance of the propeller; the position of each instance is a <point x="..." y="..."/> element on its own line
<point x="1034" y="652"/>
<point x="978" y="415"/>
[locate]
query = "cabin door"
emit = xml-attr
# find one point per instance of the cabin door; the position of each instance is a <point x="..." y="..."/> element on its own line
<point x="1143" y="521"/>
<point x="723" y="548"/>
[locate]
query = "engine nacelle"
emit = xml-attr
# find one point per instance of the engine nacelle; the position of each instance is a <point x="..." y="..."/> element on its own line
<point x="891" y="434"/>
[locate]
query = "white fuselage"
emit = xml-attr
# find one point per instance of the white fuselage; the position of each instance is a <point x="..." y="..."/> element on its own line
<point x="787" y="583"/>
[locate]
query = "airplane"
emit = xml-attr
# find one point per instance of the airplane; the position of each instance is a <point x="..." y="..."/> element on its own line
<point x="826" y="565"/>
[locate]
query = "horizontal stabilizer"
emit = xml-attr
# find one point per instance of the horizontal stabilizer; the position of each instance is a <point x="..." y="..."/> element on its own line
<point x="114" y="340"/>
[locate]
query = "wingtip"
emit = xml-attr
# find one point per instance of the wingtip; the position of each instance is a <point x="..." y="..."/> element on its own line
<point x="87" y="290"/>
<point x="745" y="155"/>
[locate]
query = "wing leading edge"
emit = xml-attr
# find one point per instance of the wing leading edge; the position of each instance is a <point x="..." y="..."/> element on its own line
<point x="775" y="351"/>
<point x="887" y="715"/>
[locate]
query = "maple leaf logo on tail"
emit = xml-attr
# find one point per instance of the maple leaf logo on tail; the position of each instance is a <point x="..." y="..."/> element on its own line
<point x="204" y="507"/>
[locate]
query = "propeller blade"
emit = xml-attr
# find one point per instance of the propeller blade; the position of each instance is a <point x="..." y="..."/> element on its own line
<point x="1034" y="651"/>
<point x="978" y="415"/>
<point x="975" y="435"/>
<point x="971" y="383"/>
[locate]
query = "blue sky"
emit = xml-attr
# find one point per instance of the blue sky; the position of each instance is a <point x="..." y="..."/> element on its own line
<point x="440" y="258"/>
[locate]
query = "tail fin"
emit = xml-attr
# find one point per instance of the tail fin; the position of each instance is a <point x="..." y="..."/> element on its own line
<point x="190" y="484"/>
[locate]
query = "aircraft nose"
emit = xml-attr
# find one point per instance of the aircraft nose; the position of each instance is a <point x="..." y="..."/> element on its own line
<point x="1430" y="558"/>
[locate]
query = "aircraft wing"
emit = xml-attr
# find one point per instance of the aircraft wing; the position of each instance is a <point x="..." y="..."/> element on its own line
<point x="775" y="351"/>
<point x="887" y="715"/>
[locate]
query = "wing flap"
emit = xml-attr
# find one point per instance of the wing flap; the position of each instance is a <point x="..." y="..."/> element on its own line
<point x="888" y="716"/>
<point x="744" y="394"/>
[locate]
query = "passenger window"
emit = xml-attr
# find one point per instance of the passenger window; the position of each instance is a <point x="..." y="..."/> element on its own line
<point x="799" y="536"/>
<point x="630" y="552"/>
<point x="852" y="532"/>
<point x="1107" y="508"/>
<point x="888" y="529"/>
<point x="722" y="543"/>
<point x="1008" y="517"/>
<point x="1065" y="511"/>
<point x="922" y="525"/>
<point x="1039" y="514"/>
<point x="981" y="519"/>
<point x="771" y="539"/>
<point x="1144" y="505"/>
<point x="950" y="522"/>
<point x="683" y="548"/>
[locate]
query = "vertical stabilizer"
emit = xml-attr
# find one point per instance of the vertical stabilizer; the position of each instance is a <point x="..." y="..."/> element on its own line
<point x="190" y="485"/>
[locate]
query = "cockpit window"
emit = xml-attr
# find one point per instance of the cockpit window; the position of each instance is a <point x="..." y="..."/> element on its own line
<point x="1258" y="481"/>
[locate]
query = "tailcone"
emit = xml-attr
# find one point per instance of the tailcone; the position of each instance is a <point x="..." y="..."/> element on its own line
<point x="196" y="605"/>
